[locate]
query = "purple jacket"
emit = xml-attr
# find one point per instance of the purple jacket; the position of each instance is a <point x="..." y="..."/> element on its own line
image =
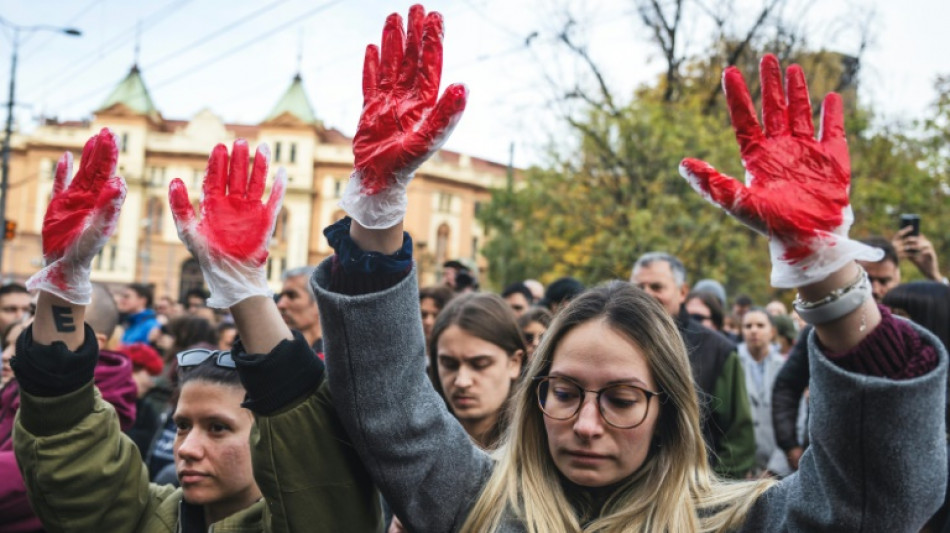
<point x="113" y="378"/>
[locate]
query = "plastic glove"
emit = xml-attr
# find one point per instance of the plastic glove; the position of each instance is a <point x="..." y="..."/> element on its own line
<point x="80" y="218"/>
<point x="230" y="241"/>
<point x="796" y="189"/>
<point x="401" y="124"/>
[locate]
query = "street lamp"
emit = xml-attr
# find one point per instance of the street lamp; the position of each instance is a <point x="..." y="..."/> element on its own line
<point x="5" y="180"/>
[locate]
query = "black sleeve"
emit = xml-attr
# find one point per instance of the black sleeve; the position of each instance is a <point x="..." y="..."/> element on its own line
<point x="54" y="370"/>
<point x="790" y="384"/>
<point x="274" y="380"/>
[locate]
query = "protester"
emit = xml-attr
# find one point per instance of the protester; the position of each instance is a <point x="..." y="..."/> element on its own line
<point x="150" y="401"/>
<point x="704" y="307"/>
<point x="726" y="419"/>
<point x="432" y="300"/>
<point x="226" y="332"/>
<point x="536" y="288"/>
<point x="519" y="297"/>
<point x="476" y="355"/>
<point x="560" y="293"/>
<point x="135" y="304"/>
<point x="298" y="308"/>
<point x="761" y="362"/>
<point x="533" y="324"/>
<point x="919" y="251"/>
<point x="566" y="463"/>
<point x="195" y="300"/>
<point x="15" y="304"/>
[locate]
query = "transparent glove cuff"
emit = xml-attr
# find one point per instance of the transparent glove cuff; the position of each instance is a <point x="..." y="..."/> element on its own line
<point x="73" y="286"/>
<point x="231" y="282"/>
<point x="832" y="252"/>
<point x="378" y="211"/>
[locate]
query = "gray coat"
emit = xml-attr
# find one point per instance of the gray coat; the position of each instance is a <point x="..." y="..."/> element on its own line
<point x="877" y="462"/>
<point x="760" y="402"/>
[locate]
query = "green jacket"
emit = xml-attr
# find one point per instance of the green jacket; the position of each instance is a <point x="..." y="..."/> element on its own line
<point x="83" y="474"/>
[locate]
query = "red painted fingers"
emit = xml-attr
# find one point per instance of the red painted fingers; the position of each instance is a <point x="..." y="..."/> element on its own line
<point x="799" y="103"/>
<point x="718" y="188"/>
<point x="774" y="108"/>
<point x="430" y="71"/>
<point x="393" y="48"/>
<point x="370" y="73"/>
<point x="410" y="61"/>
<point x="64" y="169"/>
<point x="259" y="175"/>
<point x="98" y="163"/>
<point x="216" y="174"/>
<point x="237" y="173"/>
<point x="439" y="123"/>
<point x="741" y="110"/>
<point x="832" y="137"/>
<point x="182" y="211"/>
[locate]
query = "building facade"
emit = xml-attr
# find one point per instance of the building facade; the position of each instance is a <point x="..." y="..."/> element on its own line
<point x="444" y="195"/>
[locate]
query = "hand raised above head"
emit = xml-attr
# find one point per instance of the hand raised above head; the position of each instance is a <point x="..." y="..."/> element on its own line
<point x="797" y="188"/>
<point x="81" y="216"/>
<point x="230" y="241"/>
<point x="402" y="123"/>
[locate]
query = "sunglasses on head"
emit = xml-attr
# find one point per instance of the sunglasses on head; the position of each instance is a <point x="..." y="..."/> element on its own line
<point x="196" y="356"/>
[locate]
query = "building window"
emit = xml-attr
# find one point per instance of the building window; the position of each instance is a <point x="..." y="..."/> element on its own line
<point x="47" y="169"/>
<point x="270" y="267"/>
<point x="191" y="278"/>
<point x="293" y="152"/>
<point x="338" y="188"/>
<point x="154" y="214"/>
<point x="125" y="143"/>
<point x="280" y="227"/>
<point x="156" y="176"/>
<point x="442" y="244"/>
<point x="445" y="202"/>
<point x="277" y="152"/>
<point x="474" y="247"/>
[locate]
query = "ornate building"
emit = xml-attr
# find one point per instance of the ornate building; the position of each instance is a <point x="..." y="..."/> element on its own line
<point x="153" y="150"/>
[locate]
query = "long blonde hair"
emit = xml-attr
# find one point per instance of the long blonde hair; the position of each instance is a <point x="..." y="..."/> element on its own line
<point x="674" y="490"/>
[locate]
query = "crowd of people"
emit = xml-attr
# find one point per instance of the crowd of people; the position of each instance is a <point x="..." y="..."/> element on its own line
<point x="353" y="400"/>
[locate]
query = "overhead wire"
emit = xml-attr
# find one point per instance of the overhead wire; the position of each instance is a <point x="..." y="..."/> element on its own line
<point x="32" y="51"/>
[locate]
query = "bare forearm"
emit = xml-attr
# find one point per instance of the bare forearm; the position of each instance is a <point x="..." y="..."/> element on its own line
<point x="259" y="324"/>
<point x="58" y="320"/>
<point x="385" y="241"/>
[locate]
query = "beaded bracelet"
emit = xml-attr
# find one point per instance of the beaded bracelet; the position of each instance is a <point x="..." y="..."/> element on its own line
<point x="837" y="303"/>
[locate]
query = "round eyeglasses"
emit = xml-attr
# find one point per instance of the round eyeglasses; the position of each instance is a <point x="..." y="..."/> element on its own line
<point x="621" y="406"/>
<point x="196" y="356"/>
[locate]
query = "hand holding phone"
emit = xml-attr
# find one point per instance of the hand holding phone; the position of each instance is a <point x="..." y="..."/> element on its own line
<point x="913" y="220"/>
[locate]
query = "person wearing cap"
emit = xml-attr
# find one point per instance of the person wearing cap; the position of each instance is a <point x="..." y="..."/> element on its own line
<point x="146" y="365"/>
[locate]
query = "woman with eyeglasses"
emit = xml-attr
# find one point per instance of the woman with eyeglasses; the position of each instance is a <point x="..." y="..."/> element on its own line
<point x="605" y="432"/>
<point x="82" y="474"/>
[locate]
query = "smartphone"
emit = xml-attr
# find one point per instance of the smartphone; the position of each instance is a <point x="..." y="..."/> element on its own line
<point x="913" y="220"/>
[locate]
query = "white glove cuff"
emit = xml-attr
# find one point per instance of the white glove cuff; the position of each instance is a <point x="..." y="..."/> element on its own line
<point x="78" y="289"/>
<point x="833" y="253"/>
<point x="378" y="211"/>
<point x="231" y="283"/>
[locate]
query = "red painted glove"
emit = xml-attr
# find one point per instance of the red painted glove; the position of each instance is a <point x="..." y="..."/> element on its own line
<point x="80" y="218"/>
<point x="401" y="124"/>
<point x="796" y="189"/>
<point x="230" y="241"/>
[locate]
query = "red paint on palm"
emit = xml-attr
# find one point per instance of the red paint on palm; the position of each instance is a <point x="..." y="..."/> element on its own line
<point x="798" y="186"/>
<point x="402" y="123"/>
<point x="234" y="222"/>
<point x="93" y="189"/>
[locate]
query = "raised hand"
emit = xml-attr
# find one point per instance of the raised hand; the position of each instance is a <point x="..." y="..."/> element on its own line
<point x="796" y="189"/>
<point x="80" y="218"/>
<point x="230" y="241"/>
<point x="402" y="124"/>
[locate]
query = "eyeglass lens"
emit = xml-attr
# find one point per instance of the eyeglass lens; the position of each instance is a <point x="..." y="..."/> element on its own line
<point x="623" y="406"/>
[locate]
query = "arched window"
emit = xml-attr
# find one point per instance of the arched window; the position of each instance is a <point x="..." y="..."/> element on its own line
<point x="191" y="278"/>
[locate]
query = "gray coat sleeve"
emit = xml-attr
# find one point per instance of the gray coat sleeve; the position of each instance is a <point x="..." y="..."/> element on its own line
<point x="418" y="454"/>
<point x="878" y="456"/>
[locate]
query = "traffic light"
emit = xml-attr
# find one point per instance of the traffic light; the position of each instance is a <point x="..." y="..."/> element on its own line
<point x="9" y="230"/>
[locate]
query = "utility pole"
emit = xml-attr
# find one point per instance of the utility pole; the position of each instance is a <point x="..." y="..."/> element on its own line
<point x="5" y="178"/>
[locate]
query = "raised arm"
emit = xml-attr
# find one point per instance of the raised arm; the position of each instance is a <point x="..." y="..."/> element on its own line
<point x="61" y="415"/>
<point x="423" y="461"/>
<point x="876" y="442"/>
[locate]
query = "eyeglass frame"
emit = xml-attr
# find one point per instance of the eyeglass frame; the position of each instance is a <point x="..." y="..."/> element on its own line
<point x="222" y="358"/>
<point x="540" y="380"/>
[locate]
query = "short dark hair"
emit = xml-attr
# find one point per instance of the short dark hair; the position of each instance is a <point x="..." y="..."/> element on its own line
<point x="926" y="303"/>
<point x="890" y="254"/>
<point x="562" y="290"/>
<point x="743" y="300"/>
<point x="210" y="372"/>
<point x="144" y="291"/>
<point x="12" y="288"/>
<point x="518" y="288"/>
<point x="197" y="291"/>
<point x="440" y="294"/>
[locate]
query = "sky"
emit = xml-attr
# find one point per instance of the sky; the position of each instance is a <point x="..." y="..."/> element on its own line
<point x="237" y="57"/>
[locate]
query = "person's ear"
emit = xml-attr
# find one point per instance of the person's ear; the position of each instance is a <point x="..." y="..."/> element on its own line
<point x="515" y="364"/>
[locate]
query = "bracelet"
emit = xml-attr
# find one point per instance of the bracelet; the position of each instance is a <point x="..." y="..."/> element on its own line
<point x="837" y="303"/>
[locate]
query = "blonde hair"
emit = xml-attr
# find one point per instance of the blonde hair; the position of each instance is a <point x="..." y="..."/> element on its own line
<point x="674" y="490"/>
